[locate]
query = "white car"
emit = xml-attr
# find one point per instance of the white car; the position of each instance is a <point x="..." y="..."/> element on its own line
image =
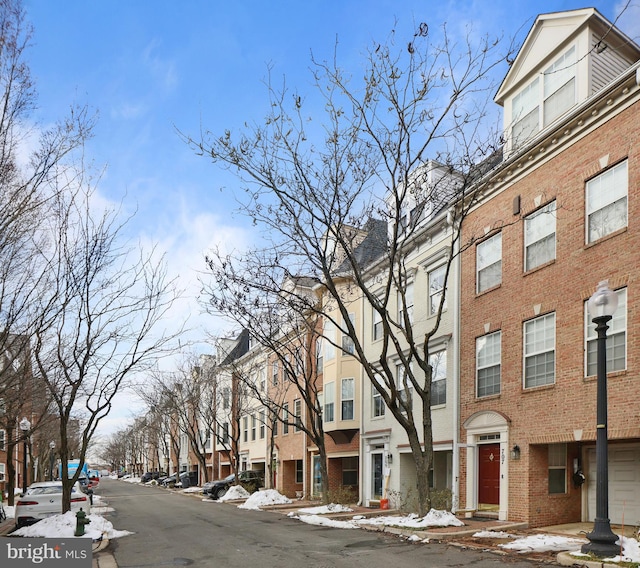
<point x="44" y="499"/>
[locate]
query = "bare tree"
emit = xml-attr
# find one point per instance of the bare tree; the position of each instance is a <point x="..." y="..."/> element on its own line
<point x="99" y="315"/>
<point x="27" y="188"/>
<point x="312" y="188"/>
<point x="188" y="396"/>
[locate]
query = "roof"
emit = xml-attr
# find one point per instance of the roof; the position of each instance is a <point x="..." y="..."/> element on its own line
<point x="373" y="246"/>
<point x="551" y="31"/>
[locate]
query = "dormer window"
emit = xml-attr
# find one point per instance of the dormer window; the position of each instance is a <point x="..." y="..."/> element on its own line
<point x="544" y="99"/>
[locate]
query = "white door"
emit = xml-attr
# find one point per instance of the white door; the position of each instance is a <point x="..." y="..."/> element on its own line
<point x="624" y="483"/>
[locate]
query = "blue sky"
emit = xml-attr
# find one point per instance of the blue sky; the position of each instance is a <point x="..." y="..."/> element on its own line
<point x="150" y="68"/>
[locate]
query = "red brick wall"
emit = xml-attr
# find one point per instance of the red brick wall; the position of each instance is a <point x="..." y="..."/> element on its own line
<point x="552" y="413"/>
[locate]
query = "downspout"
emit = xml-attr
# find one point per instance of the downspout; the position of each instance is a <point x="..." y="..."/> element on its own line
<point x="455" y="462"/>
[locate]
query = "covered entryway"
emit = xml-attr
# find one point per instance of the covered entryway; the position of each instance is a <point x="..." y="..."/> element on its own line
<point x="488" y="476"/>
<point x="487" y="472"/>
<point x="624" y="483"/>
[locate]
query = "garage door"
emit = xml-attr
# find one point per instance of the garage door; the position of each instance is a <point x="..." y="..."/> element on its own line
<point x="624" y="482"/>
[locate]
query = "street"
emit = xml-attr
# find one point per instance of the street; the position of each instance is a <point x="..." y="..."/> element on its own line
<point x="173" y="529"/>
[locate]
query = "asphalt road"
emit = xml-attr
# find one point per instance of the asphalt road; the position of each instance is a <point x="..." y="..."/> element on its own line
<point x="173" y="529"/>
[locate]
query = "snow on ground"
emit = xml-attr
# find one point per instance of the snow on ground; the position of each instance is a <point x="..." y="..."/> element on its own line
<point x="321" y="521"/>
<point x="544" y="543"/>
<point x="264" y="498"/>
<point x="64" y="526"/>
<point x="493" y="534"/>
<point x="325" y="509"/>
<point x="555" y="543"/>
<point x="433" y="518"/>
<point x="235" y="492"/>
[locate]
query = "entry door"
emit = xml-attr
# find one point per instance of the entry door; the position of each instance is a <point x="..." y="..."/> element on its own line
<point x="489" y="474"/>
<point x="376" y="477"/>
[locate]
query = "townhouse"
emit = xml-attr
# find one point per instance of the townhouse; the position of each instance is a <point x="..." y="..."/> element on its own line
<point x="557" y="216"/>
<point x="388" y="467"/>
<point x="513" y="386"/>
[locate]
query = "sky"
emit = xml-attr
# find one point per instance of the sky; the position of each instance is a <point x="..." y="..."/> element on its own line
<point x="154" y="69"/>
<point x="63" y="526"/>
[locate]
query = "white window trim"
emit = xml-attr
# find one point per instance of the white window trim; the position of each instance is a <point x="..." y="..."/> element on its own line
<point x="442" y="290"/>
<point x="496" y="236"/>
<point x="590" y="210"/>
<point x="527" y="355"/>
<point x="352" y="399"/>
<point x="493" y="364"/>
<point x="547" y="210"/>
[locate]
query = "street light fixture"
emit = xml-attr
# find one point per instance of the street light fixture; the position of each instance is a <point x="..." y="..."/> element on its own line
<point x="25" y="426"/>
<point x="602" y="305"/>
<point x="52" y="455"/>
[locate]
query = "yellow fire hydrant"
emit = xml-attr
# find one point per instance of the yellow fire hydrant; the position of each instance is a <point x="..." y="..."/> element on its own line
<point x="81" y="521"/>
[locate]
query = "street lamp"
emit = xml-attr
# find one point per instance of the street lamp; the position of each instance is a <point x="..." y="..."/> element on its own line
<point x="52" y="455"/>
<point x="602" y="305"/>
<point x="25" y="426"/>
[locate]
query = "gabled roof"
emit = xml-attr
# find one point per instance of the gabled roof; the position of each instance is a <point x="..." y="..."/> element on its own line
<point x="548" y="33"/>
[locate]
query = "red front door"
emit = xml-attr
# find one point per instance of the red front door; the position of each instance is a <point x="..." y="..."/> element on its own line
<point x="489" y="474"/>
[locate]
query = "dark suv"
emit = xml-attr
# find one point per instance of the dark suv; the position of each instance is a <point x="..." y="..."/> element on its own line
<point x="149" y="475"/>
<point x="250" y="479"/>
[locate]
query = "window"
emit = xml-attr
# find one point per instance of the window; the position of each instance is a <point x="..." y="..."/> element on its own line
<point x="377" y="325"/>
<point x="540" y="351"/>
<point x="436" y="289"/>
<point x="378" y="406"/>
<point x="274" y="373"/>
<point x="285" y="418"/>
<point x="3" y="437"/>
<point x="488" y="363"/>
<point x="262" y="424"/>
<point x="489" y="263"/>
<point x="555" y="94"/>
<point x="557" y="468"/>
<point x="263" y="380"/>
<point x="329" y="340"/>
<point x="253" y="427"/>
<point x="616" y="338"/>
<point x="525" y="113"/>
<point x="405" y="305"/>
<point x="540" y="237"/>
<point x="438" y="362"/>
<point x="607" y="202"/>
<point x="2" y="473"/>
<point x="299" y="471"/>
<point x="329" y="399"/>
<point x="297" y="411"/>
<point x="245" y="429"/>
<point x="319" y="356"/>
<point x="404" y="385"/>
<point x="347" y="342"/>
<point x="350" y="471"/>
<point x="559" y="87"/>
<point x="226" y="397"/>
<point x="346" y="398"/>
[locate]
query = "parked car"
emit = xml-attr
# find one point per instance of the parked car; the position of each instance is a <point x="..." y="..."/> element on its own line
<point x="150" y="475"/>
<point x="44" y="499"/>
<point x="250" y="479"/>
<point x="170" y="480"/>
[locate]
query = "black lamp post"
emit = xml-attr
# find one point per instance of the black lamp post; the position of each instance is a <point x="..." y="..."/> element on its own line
<point x="602" y="306"/>
<point x="25" y="426"/>
<point x="52" y="456"/>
